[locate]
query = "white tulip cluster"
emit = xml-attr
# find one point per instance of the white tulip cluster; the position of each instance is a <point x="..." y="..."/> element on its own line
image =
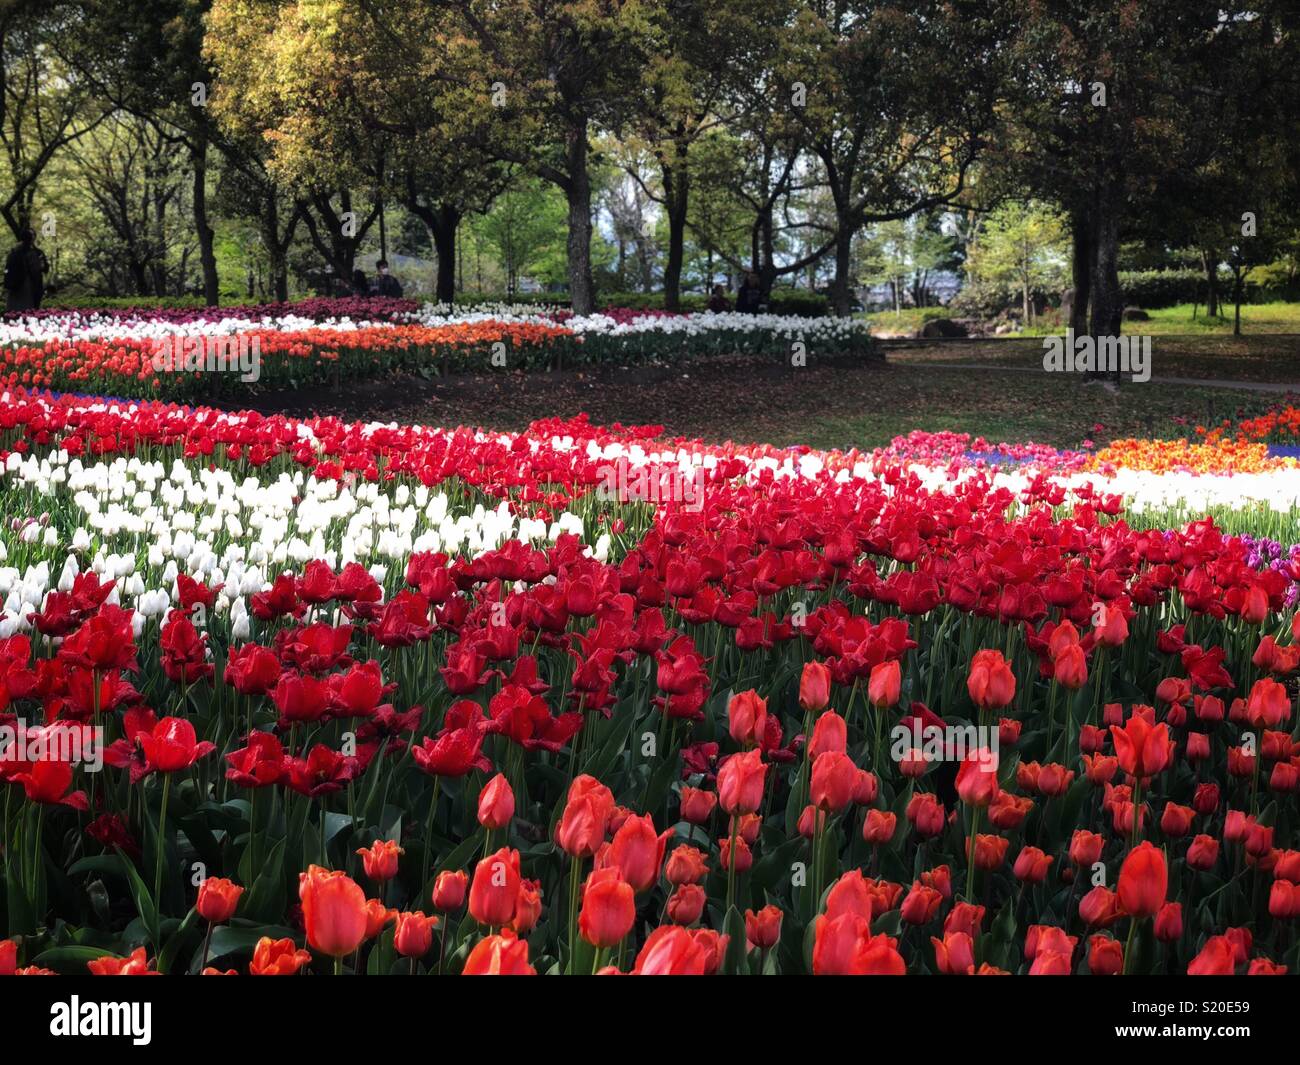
<point x="139" y="523"/>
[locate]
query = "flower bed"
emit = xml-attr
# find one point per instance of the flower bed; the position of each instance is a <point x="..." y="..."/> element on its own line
<point x="192" y="354"/>
<point x="584" y="699"/>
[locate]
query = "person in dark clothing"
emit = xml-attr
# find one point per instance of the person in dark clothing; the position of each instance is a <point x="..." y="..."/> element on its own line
<point x="747" y="297"/>
<point x="25" y="270"/>
<point x="360" y="286"/>
<point x="718" y="302"/>
<point x="387" y="284"/>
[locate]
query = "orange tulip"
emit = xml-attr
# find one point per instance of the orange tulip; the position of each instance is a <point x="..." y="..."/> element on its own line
<point x="277" y="957"/>
<point x="500" y="955"/>
<point x="333" y="911"/>
<point x="218" y="899"/>
<point x="991" y="683"/>
<point x="380" y="859"/>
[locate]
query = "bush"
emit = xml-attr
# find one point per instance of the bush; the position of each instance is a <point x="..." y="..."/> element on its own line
<point x="981" y="299"/>
<point x="793" y="301"/>
<point x="1163" y="288"/>
<point x="114" y="303"/>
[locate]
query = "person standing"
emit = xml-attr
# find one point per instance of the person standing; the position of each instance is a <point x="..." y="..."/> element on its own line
<point x="386" y="284"/>
<point x="747" y="296"/>
<point x="25" y="270"/>
<point x="718" y="302"/>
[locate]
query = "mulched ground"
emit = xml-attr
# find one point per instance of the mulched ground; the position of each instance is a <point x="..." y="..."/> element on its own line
<point x="844" y="402"/>
<point x="716" y="399"/>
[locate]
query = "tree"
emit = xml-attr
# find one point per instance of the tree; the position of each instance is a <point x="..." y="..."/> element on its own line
<point x="1110" y="103"/>
<point x="896" y="132"/>
<point x="704" y="54"/>
<point x="523" y="228"/>
<point x="1021" y="244"/>
<point x="45" y="103"/>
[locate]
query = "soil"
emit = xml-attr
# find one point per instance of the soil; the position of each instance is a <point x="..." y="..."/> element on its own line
<point x="714" y="399"/>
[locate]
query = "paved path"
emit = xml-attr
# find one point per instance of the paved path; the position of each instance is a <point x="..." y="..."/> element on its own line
<point x="1277" y="387"/>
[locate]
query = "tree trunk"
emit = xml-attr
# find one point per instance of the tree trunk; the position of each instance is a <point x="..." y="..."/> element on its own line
<point x="1237" y="275"/>
<point x="582" y="296"/>
<point x="676" y="190"/>
<point x="1081" y="272"/>
<point x="207" y="254"/>
<point x="1107" y="300"/>
<point x="447" y="221"/>
<point x="841" y="284"/>
<point x="1210" y="264"/>
<point x="277" y="261"/>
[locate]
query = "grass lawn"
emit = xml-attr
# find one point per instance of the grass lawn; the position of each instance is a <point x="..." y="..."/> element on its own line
<point x="1262" y="357"/>
<point x="905" y="322"/>
<point x="1255" y="318"/>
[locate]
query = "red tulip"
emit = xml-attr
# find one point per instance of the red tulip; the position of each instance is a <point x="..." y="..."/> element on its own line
<point x="814" y="687"/>
<point x="217" y="899"/>
<point x="413" y="934"/>
<point x="747" y="718"/>
<point x="449" y="891"/>
<point x="834" y="779"/>
<point x="608" y="909"/>
<point x="763" y="929"/>
<point x="977" y="778"/>
<point x="636" y="852"/>
<point x="991" y="683"/>
<point x="1217" y="958"/>
<point x="1105" y="956"/>
<point x="671" y="951"/>
<point x="494" y="890"/>
<point x="740" y="782"/>
<point x="686" y="904"/>
<point x="586" y="816"/>
<point x="496" y="803"/>
<point x="884" y="684"/>
<point x="1143" y="881"/>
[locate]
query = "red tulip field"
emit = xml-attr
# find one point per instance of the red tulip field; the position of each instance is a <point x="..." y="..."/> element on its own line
<point x="289" y="697"/>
